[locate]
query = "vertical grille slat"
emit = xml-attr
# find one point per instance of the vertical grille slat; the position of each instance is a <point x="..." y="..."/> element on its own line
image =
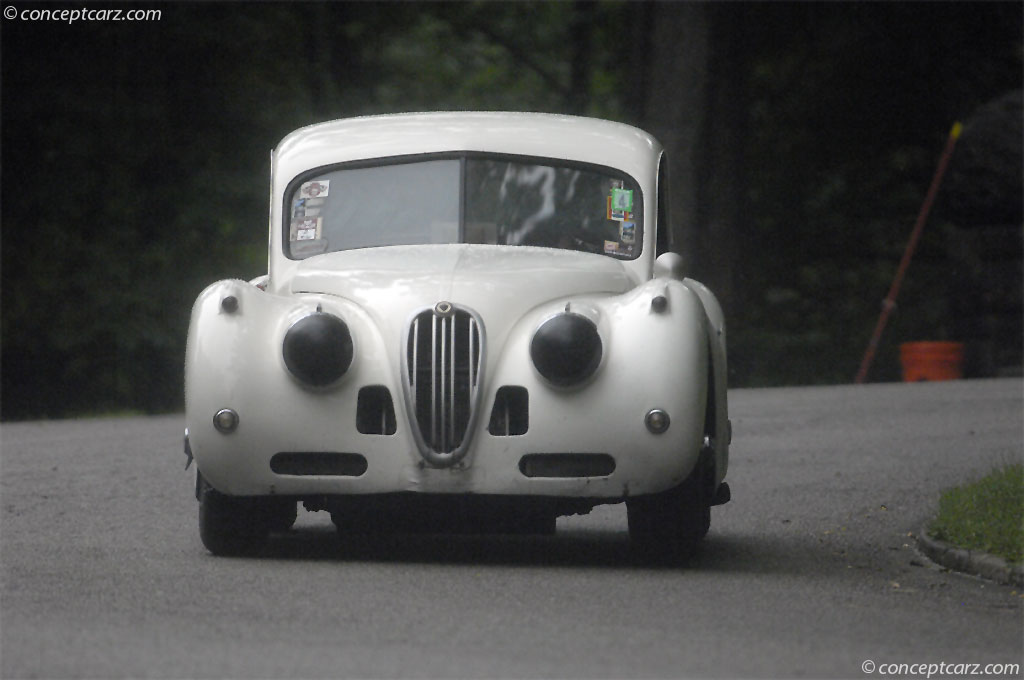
<point x="433" y="379"/>
<point x="472" y="345"/>
<point x="451" y="407"/>
<point x="414" y="360"/>
<point x="443" y="394"/>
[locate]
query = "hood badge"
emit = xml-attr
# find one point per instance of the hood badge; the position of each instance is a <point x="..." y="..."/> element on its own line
<point x="444" y="309"/>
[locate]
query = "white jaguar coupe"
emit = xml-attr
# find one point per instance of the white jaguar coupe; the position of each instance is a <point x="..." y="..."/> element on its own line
<point x="471" y="321"/>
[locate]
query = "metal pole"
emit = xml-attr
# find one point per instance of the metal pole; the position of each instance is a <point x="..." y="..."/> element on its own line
<point x="890" y="300"/>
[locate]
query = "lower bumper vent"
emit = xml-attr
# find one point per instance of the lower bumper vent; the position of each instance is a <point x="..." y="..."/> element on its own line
<point x="318" y="463"/>
<point x="567" y="465"/>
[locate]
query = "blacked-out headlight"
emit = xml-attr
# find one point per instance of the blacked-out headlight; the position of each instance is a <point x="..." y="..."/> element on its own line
<point x="318" y="349"/>
<point x="566" y="349"/>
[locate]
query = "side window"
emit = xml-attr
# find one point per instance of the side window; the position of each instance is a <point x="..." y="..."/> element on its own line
<point x="664" y="244"/>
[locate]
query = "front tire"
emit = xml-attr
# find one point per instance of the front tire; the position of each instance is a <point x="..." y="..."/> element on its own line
<point x="668" y="526"/>
<point x="234" y="526"/>
<point x="540" y="525"/>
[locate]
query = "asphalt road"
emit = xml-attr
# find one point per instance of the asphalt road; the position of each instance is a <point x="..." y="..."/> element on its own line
<point x="810" y="571"/>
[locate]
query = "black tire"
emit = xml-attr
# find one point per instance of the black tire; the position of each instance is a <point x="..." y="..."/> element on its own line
<point x="234" y="526"/>
<point x="282" y="514"/>
<point x="545" y="525"/>
<point x="350" y="525"/>
<point x="670" y="525"/>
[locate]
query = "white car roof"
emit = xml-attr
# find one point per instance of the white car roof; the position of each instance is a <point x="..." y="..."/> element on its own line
<point x="586" y="140"/>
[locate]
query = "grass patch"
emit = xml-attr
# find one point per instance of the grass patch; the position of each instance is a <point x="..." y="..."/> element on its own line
<point x="985" y="515"/>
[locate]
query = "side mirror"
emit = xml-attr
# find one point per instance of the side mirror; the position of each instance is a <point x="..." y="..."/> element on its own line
<point x="669" y="266"/>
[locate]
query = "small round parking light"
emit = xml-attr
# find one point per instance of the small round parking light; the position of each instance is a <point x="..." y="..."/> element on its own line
<point x="226" y="421"/>
<point x="229" y="304"/>
<point x="657" y="421"/>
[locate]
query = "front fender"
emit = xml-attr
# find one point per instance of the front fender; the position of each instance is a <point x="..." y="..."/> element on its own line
<point x="651" y="359"/>
<point x="234" y="360"/>
<point x="716" y="335"/>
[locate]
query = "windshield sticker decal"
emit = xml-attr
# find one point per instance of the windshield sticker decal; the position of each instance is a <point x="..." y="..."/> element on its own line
<point x="306" y="229"/>
<point x="620" y="204"/>
<point x="627" y="233"/>
<point x="617" y="215"/>
<point x="315" y="189"/>
<point x="611" y="247"/>
<point x="306" y="207"/>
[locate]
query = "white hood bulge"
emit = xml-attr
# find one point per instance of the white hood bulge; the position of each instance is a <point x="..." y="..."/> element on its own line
<point x="500" y="283"/>
<point x="476" y="275"/>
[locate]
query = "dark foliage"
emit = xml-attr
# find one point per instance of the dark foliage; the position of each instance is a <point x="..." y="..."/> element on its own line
<point x="135" y="158"/>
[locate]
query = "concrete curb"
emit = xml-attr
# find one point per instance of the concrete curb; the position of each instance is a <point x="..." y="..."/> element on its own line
<point x="970" y="561"/>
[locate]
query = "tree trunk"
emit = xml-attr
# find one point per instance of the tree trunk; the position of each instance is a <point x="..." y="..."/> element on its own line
<point x="581" y="29"/>
<point x="692" y="102"/>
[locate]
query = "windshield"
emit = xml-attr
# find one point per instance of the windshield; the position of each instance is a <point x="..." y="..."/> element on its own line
<point x="469" y="199"/>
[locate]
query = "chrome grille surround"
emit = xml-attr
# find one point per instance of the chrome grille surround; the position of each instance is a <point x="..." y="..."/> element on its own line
<point x="442" y="373"/>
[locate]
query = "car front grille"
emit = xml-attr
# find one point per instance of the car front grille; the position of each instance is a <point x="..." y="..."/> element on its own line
<point x="444" y="353"/>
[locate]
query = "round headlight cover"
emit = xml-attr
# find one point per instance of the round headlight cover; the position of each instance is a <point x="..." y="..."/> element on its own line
<point x="318" y="349"/>
<point x="566" y="349"/>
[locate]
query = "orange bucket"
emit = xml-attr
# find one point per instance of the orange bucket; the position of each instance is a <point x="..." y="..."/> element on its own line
<point x="932" y="361"/>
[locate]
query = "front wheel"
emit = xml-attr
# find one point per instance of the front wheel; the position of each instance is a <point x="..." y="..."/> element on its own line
<point x="233" y="525"/>
<point x="669" y="525"/>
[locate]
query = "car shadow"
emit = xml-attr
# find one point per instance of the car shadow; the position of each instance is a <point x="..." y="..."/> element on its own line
<point x="607" y="548"/>
<point x="574" y="547"/>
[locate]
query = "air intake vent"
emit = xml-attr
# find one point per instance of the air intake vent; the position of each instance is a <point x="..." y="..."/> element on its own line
<point x="375" y="412"/>
<point x="511" y="413"/>
<point x="443" y="371"/>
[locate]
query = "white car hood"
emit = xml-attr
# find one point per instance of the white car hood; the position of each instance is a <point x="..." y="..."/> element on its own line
<point x="500" y="283"/>
<point x="474" y="275"/>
